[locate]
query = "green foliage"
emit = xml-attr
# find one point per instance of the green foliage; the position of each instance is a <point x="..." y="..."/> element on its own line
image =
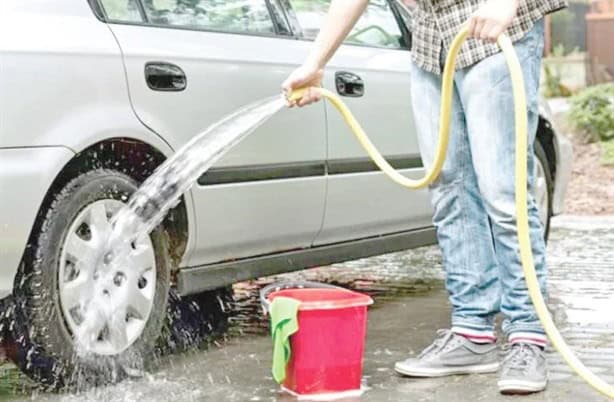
<point x="607" y="152"/>
<point x="558" y="50"/>
<point x="310" y="5"/>
<point x="592" y="112"/>
<point x="553" y="87"/>
<point x="561" y="51"/>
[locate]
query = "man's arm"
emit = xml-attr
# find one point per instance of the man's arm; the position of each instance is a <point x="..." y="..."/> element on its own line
<point x="339" y="21"/>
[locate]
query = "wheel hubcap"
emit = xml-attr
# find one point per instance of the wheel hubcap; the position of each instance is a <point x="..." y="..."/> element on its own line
<point x="105" y="306"/>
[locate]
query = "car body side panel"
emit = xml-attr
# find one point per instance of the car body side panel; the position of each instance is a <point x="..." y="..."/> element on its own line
<point x="62" y="82"/>
<point x="66" y="70"/>
<point x="25" y="175"/>
<point x="564" y="158"/>
<point x="228" y="232"/>
<point x="367" y="204"/>
<point x="224" y="72"/>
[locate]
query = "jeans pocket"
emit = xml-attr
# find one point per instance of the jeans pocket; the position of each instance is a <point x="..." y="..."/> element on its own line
<point x="533" y="42"/>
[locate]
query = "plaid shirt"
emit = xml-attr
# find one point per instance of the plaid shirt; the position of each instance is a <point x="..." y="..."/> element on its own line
<point x="436" y="23"/>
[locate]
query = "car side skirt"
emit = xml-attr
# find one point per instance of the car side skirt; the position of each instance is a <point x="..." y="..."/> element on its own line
<point x="208" y="277"/>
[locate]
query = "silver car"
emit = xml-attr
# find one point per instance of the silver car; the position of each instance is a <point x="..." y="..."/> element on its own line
<point x="94" y="95"/>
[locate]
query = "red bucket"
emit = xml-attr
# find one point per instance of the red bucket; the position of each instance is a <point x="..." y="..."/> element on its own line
<point x="328" y="348"/>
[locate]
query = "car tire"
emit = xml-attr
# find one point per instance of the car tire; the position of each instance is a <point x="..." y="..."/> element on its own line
<point x="544" y="187"/>
<point x="45" y="348"/>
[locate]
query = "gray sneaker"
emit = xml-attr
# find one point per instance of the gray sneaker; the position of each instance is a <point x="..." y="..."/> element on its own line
<point x="451" y="354"/>
<point x="523" y="370"/>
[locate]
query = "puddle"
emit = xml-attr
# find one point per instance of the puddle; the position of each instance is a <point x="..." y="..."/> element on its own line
<point x="384" y="278"/>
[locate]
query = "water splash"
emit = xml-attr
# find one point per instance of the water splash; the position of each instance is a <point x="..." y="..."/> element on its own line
<point x="152" y="201"/>
<point x="161" y="191"/>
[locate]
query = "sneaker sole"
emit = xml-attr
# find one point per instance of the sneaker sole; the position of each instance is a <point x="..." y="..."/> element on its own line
<point x="520" y="387"/>
<point x="445" y="371"/>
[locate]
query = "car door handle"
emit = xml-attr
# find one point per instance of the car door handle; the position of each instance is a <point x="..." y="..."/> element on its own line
<point x="349" y="84"/>
<point x="165" y="77"/>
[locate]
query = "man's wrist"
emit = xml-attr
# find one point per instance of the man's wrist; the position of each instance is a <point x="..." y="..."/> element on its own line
<point x="314" y="62"/>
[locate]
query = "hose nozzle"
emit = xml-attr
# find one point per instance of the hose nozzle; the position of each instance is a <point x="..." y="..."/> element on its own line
<point x="297" y="94"/>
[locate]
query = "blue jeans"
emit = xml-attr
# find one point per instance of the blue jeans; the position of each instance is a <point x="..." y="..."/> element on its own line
<point x="474" y="197"/>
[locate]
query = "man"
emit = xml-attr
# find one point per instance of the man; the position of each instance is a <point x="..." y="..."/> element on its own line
<point x="473" y="199"/>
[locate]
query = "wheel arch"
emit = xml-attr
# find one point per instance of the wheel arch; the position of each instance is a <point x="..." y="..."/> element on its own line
<point x="134" y="158"/>
<point x="545" y="136"/>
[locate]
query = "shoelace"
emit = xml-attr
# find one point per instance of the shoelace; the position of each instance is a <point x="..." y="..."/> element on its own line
<point x="519" y="355"/>
<point x="443" y="337"/>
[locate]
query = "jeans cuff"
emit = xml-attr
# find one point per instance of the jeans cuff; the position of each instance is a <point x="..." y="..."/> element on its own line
<point x="475" y="336"/>
<point x="534" y="328"/>
<point x="479" y="325"/>
<point x="528" y="337"/>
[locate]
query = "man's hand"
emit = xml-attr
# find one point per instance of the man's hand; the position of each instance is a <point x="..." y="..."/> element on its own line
<point x="339" y="20"/>
<point x="492" y="19"/>
<point x="307" y="75"/>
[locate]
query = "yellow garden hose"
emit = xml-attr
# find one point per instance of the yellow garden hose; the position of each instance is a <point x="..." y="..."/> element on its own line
<point x="520" y="118"/>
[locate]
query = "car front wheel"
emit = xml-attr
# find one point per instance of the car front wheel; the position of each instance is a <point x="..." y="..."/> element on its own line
<point x="58" y="278"/>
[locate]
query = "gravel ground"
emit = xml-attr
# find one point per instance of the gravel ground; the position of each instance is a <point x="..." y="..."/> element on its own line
<point x="591" y="189"/>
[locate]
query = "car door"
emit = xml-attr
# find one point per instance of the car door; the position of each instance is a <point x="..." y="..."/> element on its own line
<point x="189" y="63"/>
<point x="371" y="72"/>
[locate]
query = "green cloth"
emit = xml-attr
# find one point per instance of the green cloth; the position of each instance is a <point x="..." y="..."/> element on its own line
<point x="284" y="323"/>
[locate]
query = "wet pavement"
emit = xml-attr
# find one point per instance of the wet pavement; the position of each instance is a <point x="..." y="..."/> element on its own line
<point x="410" y="305"/>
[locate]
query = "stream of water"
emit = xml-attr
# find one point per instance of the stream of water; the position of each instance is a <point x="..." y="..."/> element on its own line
<point x="153" y="200"/>
<point x="161" y="191"/>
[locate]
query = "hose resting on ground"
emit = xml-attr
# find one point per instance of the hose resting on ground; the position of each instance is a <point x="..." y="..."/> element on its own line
<point x="520" y="119"/>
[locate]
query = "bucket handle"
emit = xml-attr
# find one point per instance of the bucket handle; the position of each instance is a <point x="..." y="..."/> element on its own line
<point x="275" y="287"/>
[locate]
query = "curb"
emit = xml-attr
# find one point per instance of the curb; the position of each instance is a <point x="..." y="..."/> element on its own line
<point x="583" y="222"/>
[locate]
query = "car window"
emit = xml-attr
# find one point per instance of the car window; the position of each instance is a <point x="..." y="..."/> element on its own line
<point x="377" y="26"/>
<point x="249" y="16"/>
<point x="122" y="10"/>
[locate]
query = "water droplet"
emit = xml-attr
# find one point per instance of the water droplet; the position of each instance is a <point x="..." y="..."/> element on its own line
<point x="119" y="279"/>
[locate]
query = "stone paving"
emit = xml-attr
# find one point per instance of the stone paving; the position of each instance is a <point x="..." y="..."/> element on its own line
<point x="410" y="306"/>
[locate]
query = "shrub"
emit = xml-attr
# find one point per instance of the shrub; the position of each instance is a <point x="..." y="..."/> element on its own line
<point x="553" y="87"/>
<point x="553" y="76"/>
<point x="607" y="152"/>
<point x="592" y="112"/>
